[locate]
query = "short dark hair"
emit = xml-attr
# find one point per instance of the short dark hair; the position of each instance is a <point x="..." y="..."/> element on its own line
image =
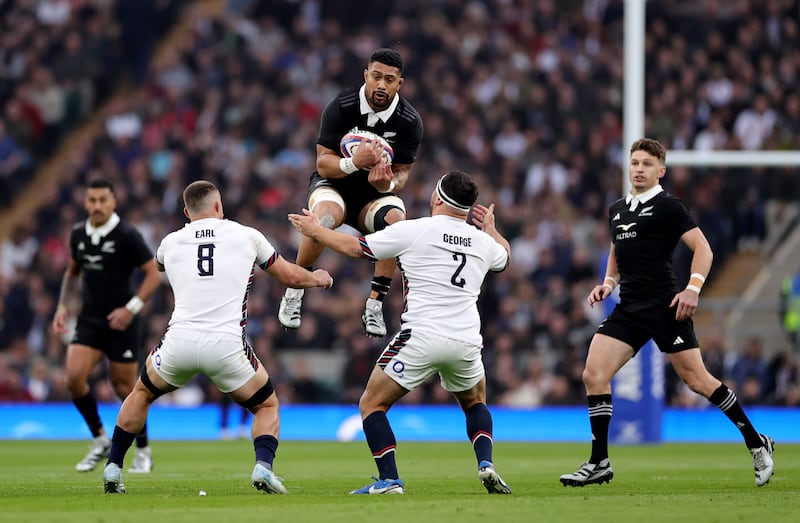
<point x="459" y="186"/>
<point x="388" y="57"/>
<point x="650" y="146"/>
<point x="101" y="183"/>
<point x="196" y="193"/>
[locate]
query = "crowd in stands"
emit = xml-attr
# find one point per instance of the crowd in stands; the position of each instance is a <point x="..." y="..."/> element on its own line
<point x="526" y="96"/>
<point x="59" y="60"/>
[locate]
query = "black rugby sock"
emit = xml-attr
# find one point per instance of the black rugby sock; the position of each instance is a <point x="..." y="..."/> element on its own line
<point x="141" y="438"/>
<point x="87" y="406"/>
<point x="725" y="399"/>
<point x="600" y="410"/>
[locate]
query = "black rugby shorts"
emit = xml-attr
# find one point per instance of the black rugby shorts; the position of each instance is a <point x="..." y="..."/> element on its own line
<point x="118" y="346"/>
<point x="657" y="323"/>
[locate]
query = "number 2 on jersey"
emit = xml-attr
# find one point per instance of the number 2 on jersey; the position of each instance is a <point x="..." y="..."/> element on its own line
<point x="205" y="259"/>
<point x="455" y="279"/>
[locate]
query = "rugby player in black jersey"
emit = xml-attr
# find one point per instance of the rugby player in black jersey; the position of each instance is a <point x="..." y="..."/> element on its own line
<point x="646" y="226"/>
<point x="105" y="253"/>
<point x="361" y="190"/>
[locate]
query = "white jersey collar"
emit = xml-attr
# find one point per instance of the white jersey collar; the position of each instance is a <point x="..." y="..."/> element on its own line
<point x="95" y="233"/>
<point x="646" y="196"/>
<point x="372" y="116"/>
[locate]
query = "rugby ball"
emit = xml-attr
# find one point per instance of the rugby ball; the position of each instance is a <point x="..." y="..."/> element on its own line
<point x="350" y="142"/>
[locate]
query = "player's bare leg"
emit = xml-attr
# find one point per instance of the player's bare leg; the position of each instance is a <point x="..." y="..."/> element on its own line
<point x="690" y="367"/>
<point x="123" y="379"/>
<point x="606" y="356"/>
<point x="80" y="361"/>
<point x="131" y="420"/>
<point x="372" y="319"/>
<point x="331" y="215"/>
<point x="265" y="429"/>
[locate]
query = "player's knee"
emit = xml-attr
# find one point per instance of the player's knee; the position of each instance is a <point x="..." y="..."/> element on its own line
<point x="700" y="383"/>
<point x="122" y="387"/>
<point x="365" y="405"/>
<point x="383" y="212"/>
<point x="328" y="205"/>
<point x="381" y="217"/>
<point x="592" y="378"/>
<point x="77" y="386"/>
<point x="148" y="386"/>
<point x="328" y="220"/>
<point x="260" y="397"/>
<point x="469" y="398"/>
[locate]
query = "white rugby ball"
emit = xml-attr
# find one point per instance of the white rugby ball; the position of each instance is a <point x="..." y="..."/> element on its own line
<point x="350" y="142"/>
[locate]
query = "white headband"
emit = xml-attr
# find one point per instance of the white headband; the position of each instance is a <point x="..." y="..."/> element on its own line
<point x="448" y="200"/>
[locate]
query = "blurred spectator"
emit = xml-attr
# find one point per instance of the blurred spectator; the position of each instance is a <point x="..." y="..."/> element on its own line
<point x="783" y="379"/>
<point x="78" y="70"/>
<point x="546" y="177"/>
<point x="12" y="384"/>
<point x="228" y="430"/>
<point x="14" y="162"/>
<point x="749" y="372"/>
<point x="789" y="309"/>
<point x="17" y="252"/>
<point x="361" y="359"/>
<point x="532" y="389"/>
<point x="49" y="99"/>
<point x="755" y="124"/>
<point x="714" y="137"/>
<point x="751" y="223"/>
<point x="304" y="389"/>
<point x="53" y="12"/>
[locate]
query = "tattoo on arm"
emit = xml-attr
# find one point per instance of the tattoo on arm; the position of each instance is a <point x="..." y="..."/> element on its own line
<point x="69" y="288"/>
<point x="327" y="221"/>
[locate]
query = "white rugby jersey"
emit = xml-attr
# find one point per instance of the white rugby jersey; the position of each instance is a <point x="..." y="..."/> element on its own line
<point x="443" y="261"/>
<point x="210" y="266"/>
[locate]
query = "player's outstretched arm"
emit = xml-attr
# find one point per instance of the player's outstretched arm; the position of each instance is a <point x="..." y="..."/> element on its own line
<point x="308" y="224"/>
<point x="296" y="277"/>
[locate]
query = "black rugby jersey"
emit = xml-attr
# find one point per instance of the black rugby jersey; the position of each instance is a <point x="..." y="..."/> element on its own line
<point x="107" y="267"/>
<point x="403" y="130"/>
<point x="644" y="240"/>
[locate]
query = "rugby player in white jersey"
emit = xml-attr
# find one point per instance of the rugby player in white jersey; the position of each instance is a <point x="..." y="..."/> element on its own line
<point x="443" y="261"/>
<point x="210" y="264"/>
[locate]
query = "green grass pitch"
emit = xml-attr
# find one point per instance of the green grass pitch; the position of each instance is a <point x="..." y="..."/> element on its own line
<point x="671" y="482"/>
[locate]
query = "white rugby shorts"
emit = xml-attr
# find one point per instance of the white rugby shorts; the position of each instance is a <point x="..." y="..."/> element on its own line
<point x="414" y="355"/>
<point x="223" y="357"/>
